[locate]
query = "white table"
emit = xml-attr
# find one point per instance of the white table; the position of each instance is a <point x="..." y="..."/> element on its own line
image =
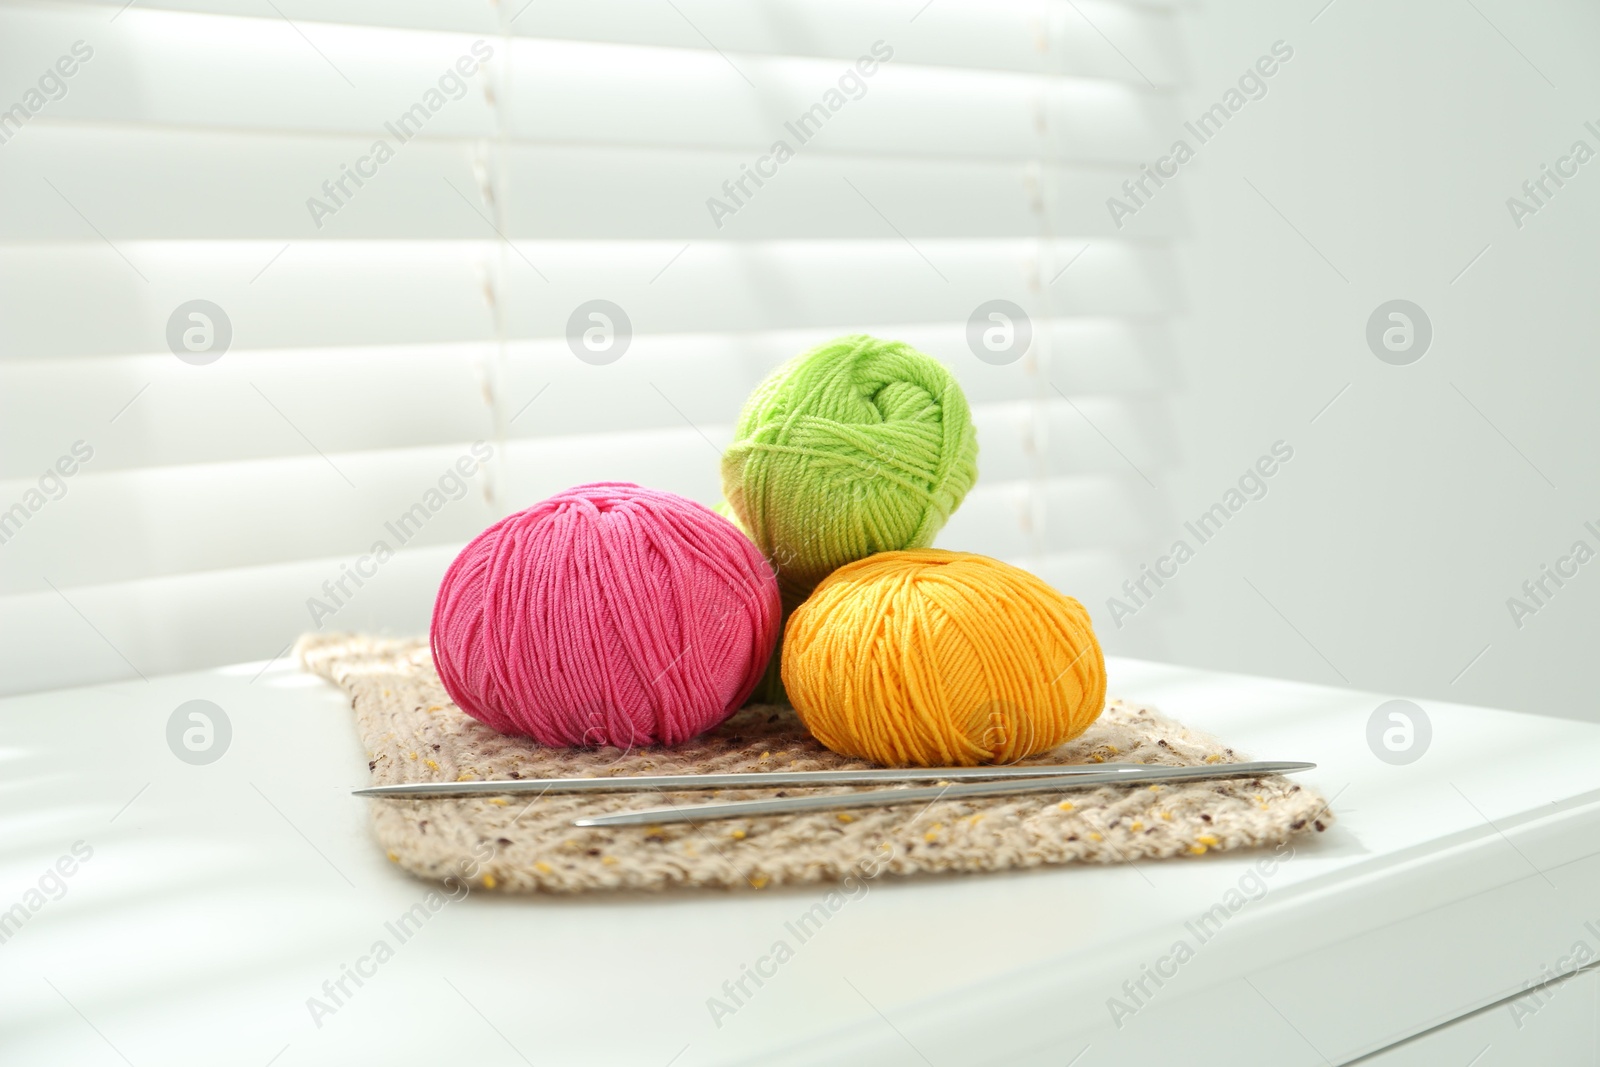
<point x="219" y="898"/>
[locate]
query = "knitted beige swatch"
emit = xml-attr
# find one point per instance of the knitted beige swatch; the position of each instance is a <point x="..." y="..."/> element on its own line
<point x="414" y="733"/>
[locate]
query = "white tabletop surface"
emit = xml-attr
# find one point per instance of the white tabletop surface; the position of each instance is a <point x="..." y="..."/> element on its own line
<point x="219" y="898"/>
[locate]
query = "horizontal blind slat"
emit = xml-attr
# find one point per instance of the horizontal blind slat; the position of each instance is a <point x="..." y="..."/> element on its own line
<point x="175" y="623"/>
<point x="199" y="185"/>
<point x="260" y="74"/>
<point x="152" y="411"/>
<point x="1027" y="36"/>
<point x="328" y="294"/>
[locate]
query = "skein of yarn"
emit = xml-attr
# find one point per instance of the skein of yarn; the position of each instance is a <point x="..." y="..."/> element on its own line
<point x="858" y="446"/>
<point x="608" y="614"/>
<point x="934" y="658"/>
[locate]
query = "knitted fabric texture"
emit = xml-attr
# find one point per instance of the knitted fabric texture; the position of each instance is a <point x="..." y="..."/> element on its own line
<point x="413" y="733"/>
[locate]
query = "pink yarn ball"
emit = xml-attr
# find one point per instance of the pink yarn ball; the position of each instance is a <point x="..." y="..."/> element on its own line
<point x="607" y="615"/>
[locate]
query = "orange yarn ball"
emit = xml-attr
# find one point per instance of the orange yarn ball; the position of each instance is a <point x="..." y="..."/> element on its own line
<point x="934" y="658"/>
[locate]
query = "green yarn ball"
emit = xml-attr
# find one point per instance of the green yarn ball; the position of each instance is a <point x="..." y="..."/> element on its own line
<point x="858" y="446"/>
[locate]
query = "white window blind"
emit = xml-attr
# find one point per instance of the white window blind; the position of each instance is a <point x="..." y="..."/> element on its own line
<point x="376" y="337"/>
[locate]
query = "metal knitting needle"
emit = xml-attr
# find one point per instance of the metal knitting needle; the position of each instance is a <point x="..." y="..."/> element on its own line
<point x="648" y="782"/>
<point x="878" y="798"/>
